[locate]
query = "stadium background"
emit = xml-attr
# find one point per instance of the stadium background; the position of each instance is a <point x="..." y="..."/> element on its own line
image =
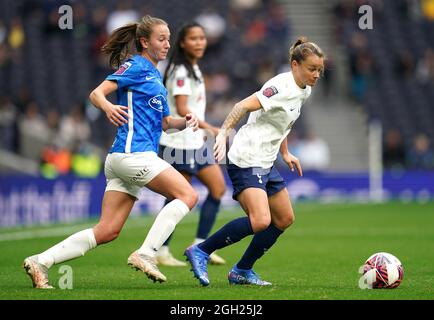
<point x="365" y="136"/>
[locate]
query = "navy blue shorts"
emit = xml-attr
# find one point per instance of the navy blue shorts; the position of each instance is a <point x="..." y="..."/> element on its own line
<point x="188" y="161"/>
<point x="268" y="180"/>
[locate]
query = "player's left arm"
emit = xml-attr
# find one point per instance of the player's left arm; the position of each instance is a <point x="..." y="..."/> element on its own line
<point x="240" y="109"/>
<point x="291" y="160"/>
<point x="190" y="120"/>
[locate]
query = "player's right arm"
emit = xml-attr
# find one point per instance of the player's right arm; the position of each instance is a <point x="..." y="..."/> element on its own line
<point x="291" y="160"/>
<point x="115" y="113"/>
<point x="240" y="109"/>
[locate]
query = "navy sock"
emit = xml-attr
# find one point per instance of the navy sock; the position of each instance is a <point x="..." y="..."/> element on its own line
<point x="261" y="242"/>
<point x="166" y="243"/>
<point x="230" y="233"/>
<point x="208" y="214"/>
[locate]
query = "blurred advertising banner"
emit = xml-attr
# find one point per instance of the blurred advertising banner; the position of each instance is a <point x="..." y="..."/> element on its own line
<point x="32" y="201"/>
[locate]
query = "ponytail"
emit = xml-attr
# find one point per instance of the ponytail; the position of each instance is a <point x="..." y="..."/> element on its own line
<point x="302" y="48"/>
<point x="118" y="46"/>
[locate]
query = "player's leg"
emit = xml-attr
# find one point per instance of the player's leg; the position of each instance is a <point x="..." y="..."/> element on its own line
<point x="282" y="213"/>
<point x="116" y="207"/>
<point x="212" y="177"/>
<point x="170" y="184"/>
<point x="282" y="217"/>
<point x="164" y="256"/>
<point x="255" y="203"/>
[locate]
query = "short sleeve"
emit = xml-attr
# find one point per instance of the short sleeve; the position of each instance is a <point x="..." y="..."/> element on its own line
<point x="181" y="82"/>
<point x="269" y="94"/>
<point x="127" y="74"/>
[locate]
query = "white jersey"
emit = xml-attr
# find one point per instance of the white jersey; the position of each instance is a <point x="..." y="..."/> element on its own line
<point x="179" y="83"/>
<point x="257" y="143"/>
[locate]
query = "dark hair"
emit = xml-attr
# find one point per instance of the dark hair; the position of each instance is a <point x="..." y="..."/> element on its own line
<point x="177" y="55"/>
<point x="118" y="46"/>
<point x="302" y="48"/>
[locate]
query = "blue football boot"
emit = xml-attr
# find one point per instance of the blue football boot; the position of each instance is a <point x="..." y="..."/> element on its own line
<point x="199" y="263"/>
<point x="239" y="276"/>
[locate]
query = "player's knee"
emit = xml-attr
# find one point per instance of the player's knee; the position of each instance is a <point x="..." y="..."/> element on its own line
<point x="218" y="192"/>
<point x="189" y="197"/>
<point x="106" y="234"/>
<point x="260" y="223"/>
<point x="286" y="221"/>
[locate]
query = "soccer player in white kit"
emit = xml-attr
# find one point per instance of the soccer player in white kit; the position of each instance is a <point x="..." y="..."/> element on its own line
<point x="186" y="150"/>
<point x="258" y="186"/>
<point x="140" y="114"/>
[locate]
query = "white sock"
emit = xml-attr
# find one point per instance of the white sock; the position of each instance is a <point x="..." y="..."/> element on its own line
<point x="74" y="246"/>
<point x="163" y="226"/>
<point x="164" y="250"/>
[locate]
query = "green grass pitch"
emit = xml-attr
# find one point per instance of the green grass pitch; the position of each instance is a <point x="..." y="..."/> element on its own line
<point x="316" y="258"/>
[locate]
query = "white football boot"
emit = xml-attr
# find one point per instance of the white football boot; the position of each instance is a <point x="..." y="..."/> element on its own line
<point x="147" y="265"/>
<point x="37" y="272"/>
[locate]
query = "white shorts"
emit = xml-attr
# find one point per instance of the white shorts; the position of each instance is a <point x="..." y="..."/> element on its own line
<point x="129" y="172"/>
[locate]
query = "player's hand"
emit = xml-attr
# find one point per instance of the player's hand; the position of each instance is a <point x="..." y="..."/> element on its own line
<point x="117" y="114"/>
<point x="191" y="121"/>
<point x="293" y="163"/>
<point x="220" y="147"/>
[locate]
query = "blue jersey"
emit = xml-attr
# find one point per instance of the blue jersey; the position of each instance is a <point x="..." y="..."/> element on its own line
<point x="141" y="89"/>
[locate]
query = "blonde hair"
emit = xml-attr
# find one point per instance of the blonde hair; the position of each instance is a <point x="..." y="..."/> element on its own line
<point x="302" y="48"/>
<point x="118" y="46"/>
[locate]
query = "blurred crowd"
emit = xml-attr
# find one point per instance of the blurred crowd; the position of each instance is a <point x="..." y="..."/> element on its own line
<point x="396" y="156"/>
<point x="48" y="118"/>
<point x="45" y="114"/>
<point x="390" y="67"/>
<point x="364" y="67"/>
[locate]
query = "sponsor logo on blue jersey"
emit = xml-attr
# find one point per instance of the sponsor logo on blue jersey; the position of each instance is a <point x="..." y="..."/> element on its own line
<point x="156" y="103"/>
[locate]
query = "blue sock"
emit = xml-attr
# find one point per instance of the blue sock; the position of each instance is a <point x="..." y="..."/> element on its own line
<point x="261" y="242"/>
<point x="208" y="214"/>
<point x="166" y="243"/>
<point x="230" y="233"/>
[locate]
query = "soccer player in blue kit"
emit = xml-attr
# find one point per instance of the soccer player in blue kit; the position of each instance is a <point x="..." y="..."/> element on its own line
<point x="257" y="184"/>
<point x="141" y="115"/>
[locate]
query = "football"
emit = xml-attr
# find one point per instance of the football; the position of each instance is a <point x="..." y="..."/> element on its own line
<point x="383" y="270"/>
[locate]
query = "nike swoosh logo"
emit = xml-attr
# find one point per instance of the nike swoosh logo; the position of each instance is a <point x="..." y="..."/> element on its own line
<point x="292" y="109"/>
<point x="149" y="78"/>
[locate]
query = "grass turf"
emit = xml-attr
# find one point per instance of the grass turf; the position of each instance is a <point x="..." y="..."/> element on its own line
<point x="317" y="258"/>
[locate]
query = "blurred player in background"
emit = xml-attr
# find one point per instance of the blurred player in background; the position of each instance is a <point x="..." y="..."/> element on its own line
<point x="257" y="184"/>
<point x="186" y="150"/>
<point x="132" y="163"/>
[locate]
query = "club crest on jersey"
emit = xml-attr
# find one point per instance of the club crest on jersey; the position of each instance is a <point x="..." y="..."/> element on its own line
<point x="156" y="103"/>
<point x="270" y="91"/>
<point x="180" y="82"/>
<point x="124" y="67"/>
